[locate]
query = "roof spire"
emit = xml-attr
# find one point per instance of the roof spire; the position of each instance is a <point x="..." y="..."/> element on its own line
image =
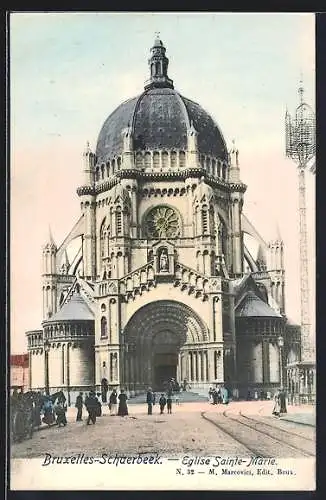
<point x="261" y="258"/>
<point x="50" y="237"/>
<point x="301" y="88"/>
<point x="158" y="64"/>
<point x="66" y="258"/>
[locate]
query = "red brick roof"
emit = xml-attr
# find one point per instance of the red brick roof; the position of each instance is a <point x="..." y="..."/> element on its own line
<point x="19" y="360"/>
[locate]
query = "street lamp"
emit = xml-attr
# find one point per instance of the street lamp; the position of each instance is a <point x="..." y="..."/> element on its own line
<point x="280" y="342"/>
<point x="46" y="357"/>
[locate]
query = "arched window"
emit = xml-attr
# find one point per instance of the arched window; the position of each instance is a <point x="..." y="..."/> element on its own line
<point x="104" y="327"/>
<point x="119" y="222"/>
<point x="173" y="159"/>
<point x="204" y="215"/>
<point x="148" y="159"/>
<point x="139" y="159"/>
<point x="182" y="159"/>
<point x="156" y="159"/>
<point x="102" y="239"/>
<point x="165" y="159"/>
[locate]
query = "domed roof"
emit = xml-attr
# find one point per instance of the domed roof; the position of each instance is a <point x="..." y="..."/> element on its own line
<point x="160" y="118"/>
<point x="75" y="309"/>
<point x="253" y="306"/>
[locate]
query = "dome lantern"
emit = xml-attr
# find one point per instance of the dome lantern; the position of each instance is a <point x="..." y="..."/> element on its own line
<point x="158" y="64"/>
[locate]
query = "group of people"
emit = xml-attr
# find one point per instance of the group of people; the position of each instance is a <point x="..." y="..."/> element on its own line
<point x="279" y="403"/>
<point x="218" y="395"/>
<point x="164" y="401"/>
<point x="94" y="406"/>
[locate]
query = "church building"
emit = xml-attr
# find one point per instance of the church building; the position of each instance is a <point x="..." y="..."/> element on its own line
<point x="163" y="284"/>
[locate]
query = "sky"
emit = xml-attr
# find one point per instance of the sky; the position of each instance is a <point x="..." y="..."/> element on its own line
<point x="69" y="71"/>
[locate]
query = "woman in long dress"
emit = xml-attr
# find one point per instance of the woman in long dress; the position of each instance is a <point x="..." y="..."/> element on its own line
<point x="277" y="407"/>
<point x="123" y="408"/>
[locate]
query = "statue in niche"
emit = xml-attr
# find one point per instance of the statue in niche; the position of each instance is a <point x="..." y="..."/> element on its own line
<point x="164" y="262"/>
<point x="114" y="364"/>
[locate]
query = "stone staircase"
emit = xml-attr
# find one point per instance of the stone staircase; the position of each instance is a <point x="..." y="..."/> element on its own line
<point x="184" y="397"/>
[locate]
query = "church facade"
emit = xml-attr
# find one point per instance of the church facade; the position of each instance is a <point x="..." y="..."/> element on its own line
<point x="163" y="284"/>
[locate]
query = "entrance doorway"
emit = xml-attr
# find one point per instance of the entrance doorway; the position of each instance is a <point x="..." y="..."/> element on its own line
<point x="165" y="368"/>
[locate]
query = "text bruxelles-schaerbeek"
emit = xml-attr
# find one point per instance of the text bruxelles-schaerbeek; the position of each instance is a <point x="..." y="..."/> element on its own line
<point x="155" y="458"/>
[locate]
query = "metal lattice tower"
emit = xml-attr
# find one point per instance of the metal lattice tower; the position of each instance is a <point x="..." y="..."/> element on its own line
<point x="301" y="147"/>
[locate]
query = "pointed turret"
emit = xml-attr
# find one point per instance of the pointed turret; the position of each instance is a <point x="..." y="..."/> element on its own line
<point x="261" y="259"/>
<point x="88" y="165"/>
<point x="66" y="264"/>
<point x="158" y="64"/>
<point x="50" y="243"/>
<point x="234" y="171"/>
<point x="127" y="154"/>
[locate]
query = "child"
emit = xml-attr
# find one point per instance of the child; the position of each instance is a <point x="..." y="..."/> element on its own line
<point x="162" y="403"/>
<point x="169" y="402"/>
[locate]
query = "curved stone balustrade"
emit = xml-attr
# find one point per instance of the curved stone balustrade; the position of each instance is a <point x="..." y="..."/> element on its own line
<point x="191" y="281"/>
<point x="138" y="281"/>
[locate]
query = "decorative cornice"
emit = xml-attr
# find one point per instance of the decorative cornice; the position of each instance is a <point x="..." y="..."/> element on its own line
<point x="239" y="187"/>
<point x="159" y="176"/>
<point x="87" y="189"/>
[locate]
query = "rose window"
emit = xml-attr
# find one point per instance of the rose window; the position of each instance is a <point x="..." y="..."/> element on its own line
<point x="162" y="222"/>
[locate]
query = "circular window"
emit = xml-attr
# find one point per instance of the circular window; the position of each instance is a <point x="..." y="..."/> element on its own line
<point x="162" y="222"/>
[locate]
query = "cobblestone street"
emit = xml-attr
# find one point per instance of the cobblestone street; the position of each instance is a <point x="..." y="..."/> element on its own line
<point x="183" y="432"/>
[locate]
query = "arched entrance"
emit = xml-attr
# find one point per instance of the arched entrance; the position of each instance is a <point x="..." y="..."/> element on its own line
<point x="159" y="340"/>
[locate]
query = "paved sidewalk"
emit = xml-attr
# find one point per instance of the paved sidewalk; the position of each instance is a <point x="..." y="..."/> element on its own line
<point x="304" y="414"/>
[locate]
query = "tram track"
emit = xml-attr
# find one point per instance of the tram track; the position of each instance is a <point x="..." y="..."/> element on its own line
<point x="252" y="451"/>
<point x="251" y="439"/>
<point x="282" y="429"/>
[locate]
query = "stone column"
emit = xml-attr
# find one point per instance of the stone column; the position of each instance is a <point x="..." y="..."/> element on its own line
<point x="211" y="362"/>
<point x="183" y="365"/>
<point x="189" y="378"/>
<point x="199" y="356"/>
<point x="179" y="367"/>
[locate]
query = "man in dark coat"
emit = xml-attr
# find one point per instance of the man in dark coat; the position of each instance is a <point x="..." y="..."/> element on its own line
<point x="150" y="401"/>
<point x="79" y="406"/>
<point x="169" y="402"/>
<point x="91" y="404"/>
<point x="162" y="403"/>
<point x="123" y="408"/>
<point x="282" y="400"/>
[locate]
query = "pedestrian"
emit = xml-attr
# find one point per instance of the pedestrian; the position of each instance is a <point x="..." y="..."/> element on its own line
<point x="113" y="402"/>
<point x="276" y="409"/>
<point x="98" y="405"/>
<point x="91" y="403"/>
<point x="123" y="408"/>
<point x="219" y="396"/>
<point x="224" y="395"/>
<point x="149" y="401"/>
<point x="210" y="395"/>
<point x="60" y="410"/>
<point x="79" y="406"/>
<point x="282" y="399"/>
<point x="268" y="395"/>
<point x="256" y="395"/>
<point x="169" y="402"/>
<point x="48" y="411"/>
<point x="215" y="397"/>
<point x="162" y="403"/>
<point x="177" y="402"/>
